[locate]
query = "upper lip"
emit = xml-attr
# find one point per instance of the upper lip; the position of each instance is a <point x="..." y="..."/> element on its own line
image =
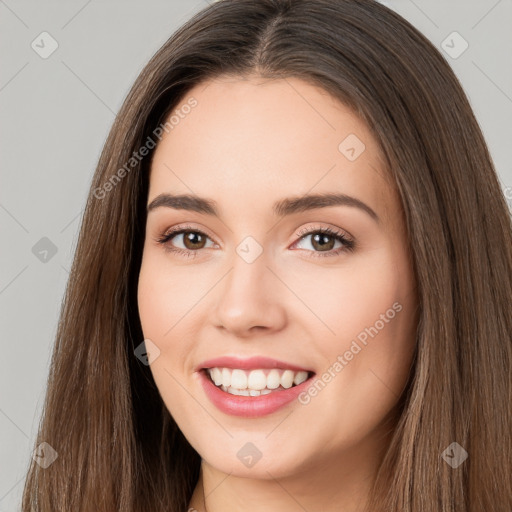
<point x="250" y="363"/>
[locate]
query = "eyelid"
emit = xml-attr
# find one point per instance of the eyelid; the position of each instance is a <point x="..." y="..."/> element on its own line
<point x="348" y="243"/>
<point x="179" y="228"/>
<point x="347" y="240"/>
<point x="330" y="229"/>
<point x="298" y="234"/>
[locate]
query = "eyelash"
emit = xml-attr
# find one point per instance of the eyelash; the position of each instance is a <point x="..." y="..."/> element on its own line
<point x="348" y="243"/>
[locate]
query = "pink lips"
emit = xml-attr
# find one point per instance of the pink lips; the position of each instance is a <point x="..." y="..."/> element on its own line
<point x="246" y="405"/>
<point x="252" y="363"/>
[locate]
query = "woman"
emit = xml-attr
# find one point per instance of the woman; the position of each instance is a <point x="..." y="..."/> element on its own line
<point x="293" y="281"/>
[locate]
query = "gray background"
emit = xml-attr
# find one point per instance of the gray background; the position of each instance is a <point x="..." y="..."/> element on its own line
<point x="55" y="115"/>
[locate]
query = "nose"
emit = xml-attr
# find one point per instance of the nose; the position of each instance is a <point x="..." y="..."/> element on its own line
<point x="250" y="301"/>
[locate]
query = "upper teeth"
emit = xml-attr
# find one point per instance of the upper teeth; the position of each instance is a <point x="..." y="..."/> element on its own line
<point x="256" y="379"/>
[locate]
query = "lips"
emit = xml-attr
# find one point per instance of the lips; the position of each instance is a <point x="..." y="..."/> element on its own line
<point x="251" y="406"/>
<point x="249" y="402"/>
<point x="251" y="363"/>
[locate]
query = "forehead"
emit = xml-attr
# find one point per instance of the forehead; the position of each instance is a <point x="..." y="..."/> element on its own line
<point x="249" y="142"/>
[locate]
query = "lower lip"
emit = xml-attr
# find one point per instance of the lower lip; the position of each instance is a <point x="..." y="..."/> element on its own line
<point x="250" y="406"/>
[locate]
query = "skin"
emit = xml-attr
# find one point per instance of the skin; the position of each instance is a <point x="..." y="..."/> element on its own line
<point x="248" y="143"/>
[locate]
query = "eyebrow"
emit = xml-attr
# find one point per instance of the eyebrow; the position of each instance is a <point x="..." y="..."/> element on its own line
<point x="281" y="208"/>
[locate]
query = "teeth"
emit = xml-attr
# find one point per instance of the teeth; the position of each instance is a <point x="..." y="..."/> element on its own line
<point x="245" y="392"/>
<point x="287" y="379"/>
<point x="216" y="376"/>
<point x="239" y="380"/>
<point x="300" y="377"/>
<point x="273" y="379"/>
<point x="255" y="382"/>
<point x="226" y="377"/>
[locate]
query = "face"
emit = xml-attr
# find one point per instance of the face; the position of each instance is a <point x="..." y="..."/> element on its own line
<point x="295" y="271"/>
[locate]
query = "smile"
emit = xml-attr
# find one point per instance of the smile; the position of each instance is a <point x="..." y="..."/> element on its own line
<point x="252" y="387"/>
<point x="255" y="382"/>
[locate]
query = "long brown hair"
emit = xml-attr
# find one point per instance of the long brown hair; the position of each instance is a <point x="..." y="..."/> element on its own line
<point x="119" y="448"/>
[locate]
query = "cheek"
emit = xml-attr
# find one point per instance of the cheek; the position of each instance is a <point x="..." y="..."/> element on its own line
<point x="166" y="293"/>
<point x="369" y="306"/>
<point x="163" y="302"/>
<point x="352" y="296"/>
<point x="374" y="321"/>
<point x="377" y="315"/>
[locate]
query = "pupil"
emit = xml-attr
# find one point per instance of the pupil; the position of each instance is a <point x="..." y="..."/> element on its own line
<point x="323" y="241"/>
<point x="193" y="239"/>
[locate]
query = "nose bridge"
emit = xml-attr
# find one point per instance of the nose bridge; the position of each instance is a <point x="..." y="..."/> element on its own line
<point x="248" y="296"/>
<point x="248" y="280"/>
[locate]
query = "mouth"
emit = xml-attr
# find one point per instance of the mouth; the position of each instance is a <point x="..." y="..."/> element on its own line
<point x="256" y="382"/>
<point x="252" y="387"/>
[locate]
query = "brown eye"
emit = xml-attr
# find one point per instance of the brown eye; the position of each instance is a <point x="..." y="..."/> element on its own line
<point x="186" y="241"/>
<point x="193" y="240"/>
<point x="322" y="242"/>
